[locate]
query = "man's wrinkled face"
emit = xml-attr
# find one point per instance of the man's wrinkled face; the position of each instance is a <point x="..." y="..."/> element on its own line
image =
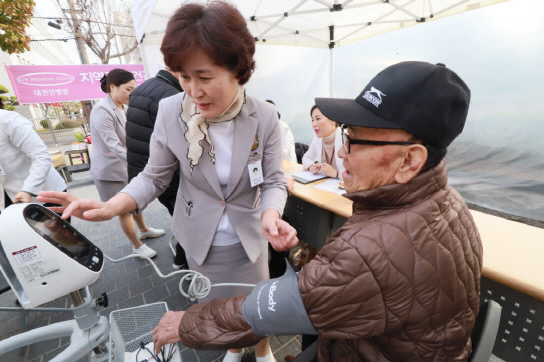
<point x="369" y="167"/>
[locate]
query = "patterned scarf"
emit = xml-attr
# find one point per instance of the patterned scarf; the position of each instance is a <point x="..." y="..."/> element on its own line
<point x="197" y="125"/>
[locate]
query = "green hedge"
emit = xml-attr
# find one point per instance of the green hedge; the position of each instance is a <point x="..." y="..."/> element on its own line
<point x="67" y="124"/>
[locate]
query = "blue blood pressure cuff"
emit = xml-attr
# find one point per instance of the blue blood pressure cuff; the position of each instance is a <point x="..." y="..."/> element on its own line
<point x="275" y="307"/>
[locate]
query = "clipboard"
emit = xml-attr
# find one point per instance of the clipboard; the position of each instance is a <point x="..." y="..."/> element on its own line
<point x="306" y="177"/>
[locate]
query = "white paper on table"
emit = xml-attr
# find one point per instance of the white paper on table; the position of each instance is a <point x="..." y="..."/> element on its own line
<point x="308" y="175"/>
<point x="331" y="185"/>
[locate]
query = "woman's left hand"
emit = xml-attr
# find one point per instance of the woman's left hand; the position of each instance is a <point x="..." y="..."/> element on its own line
<point x="23" y="197"/>
<point x="290" y="183"/>
<point x="279" y="233"/>
<point x="329" y="170"/>
<point x="167" y="330"/>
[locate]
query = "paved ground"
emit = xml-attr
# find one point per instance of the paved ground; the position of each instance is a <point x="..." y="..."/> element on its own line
<point x="129" y="283"/>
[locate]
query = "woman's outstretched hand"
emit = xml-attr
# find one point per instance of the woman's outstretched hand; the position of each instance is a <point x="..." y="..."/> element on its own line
<point x="279" y="233"/>
<point x="86" y="209"/>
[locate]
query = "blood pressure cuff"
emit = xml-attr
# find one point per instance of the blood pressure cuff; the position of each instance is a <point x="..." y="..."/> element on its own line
<point x="275" y="307"/>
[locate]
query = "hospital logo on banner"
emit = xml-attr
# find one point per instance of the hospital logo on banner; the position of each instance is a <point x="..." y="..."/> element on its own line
<point x="63" y="83"/>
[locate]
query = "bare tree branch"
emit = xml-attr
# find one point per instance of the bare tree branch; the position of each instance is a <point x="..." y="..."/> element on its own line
<point x="97" y="24"/>
<point x="127" y="51"/>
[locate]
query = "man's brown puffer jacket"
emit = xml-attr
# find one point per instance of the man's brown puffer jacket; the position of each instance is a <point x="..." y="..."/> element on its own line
<point x="400" y="281"/>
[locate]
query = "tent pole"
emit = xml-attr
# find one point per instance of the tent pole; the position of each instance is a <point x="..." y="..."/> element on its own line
<point x="331" y="72"/>
<point x="141" y="48"/>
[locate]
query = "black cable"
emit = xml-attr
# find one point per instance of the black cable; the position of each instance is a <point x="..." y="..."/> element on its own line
<point x="171" y="352"/>
<point x="83" y="21"/>
<point x="142" y="346"/>
<point x="66" y="39"/>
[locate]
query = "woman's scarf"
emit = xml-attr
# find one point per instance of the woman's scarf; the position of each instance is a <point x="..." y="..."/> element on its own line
<point x="197" y="125"/>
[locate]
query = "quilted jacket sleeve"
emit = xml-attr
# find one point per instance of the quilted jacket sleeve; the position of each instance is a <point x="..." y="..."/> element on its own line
<point x="217" y="325"/>
<point x="339" y="289"/>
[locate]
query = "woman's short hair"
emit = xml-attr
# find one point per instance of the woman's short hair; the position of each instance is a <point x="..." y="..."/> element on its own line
<point x="116" y="77"/>
<point x="218" y="29"/>
<point x="272" y="102"/>
<point x="315" y="107"/>
<point x="312" y="110"/>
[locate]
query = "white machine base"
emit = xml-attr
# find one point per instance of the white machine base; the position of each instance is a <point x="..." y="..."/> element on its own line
<point x="81" y="342"/>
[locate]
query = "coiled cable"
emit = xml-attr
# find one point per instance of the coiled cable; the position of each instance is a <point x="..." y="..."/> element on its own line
<point x="199" y="285"/>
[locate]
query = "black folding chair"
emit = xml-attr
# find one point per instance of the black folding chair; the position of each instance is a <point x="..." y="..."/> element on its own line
<point x="300" y="150"/>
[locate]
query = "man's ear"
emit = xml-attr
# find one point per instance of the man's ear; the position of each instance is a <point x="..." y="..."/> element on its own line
<point x="413" y="160"/>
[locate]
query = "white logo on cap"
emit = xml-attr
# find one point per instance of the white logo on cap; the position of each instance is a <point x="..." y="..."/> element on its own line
<point x="374" y="99"/>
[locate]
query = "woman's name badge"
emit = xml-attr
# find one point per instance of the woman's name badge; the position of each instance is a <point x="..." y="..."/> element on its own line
<point x="255" y="173"/>
<point x="2" y="173"/>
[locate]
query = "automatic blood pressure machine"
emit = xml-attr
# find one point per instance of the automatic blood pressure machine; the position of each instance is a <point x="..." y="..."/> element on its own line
<point x="44" y="258"/>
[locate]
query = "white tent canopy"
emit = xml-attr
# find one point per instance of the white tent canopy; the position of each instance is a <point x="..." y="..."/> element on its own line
<point x="309" y="23"/>
<point x="315" y="23"/>
<point x="497" y="161"/>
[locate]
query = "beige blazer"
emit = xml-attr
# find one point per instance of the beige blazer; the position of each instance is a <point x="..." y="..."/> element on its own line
<point x="109" y="153"/>
<point x="200" y="202"/>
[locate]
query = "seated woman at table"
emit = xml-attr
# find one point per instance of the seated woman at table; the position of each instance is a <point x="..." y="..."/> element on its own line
<point x="322" y="154"/>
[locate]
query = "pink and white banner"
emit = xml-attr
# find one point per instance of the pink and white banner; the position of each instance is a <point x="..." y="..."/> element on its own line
<point x="63" y="83"/>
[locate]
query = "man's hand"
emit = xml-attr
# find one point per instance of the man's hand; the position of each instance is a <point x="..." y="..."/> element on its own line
<point x="329" y="170"/>
<point x="167" y="330"/>
<point x="279" y="234"/>
<point x="23" y="197"/>
<point x="86" y="209"/>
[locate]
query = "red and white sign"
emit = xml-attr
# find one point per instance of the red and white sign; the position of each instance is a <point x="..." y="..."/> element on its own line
<point x="63" y="83"/>
<point x="25" y="255"/>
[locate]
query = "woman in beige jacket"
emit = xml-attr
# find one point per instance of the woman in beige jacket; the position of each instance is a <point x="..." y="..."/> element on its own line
<point x="228" y="146"/>
<point x="109" y="154"/>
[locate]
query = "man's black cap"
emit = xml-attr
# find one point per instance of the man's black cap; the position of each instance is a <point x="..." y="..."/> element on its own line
<point x="429" y="101"/>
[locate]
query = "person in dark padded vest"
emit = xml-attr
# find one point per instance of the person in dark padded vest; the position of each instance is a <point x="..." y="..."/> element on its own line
<point x="142" y="112"/>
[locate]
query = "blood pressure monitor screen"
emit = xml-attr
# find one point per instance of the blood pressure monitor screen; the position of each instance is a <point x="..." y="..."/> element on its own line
<point x="50" y="226"/>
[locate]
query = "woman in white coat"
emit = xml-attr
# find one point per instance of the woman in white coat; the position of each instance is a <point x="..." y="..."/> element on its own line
<point x="322" y="154"/>
<point x="25" y="163"/>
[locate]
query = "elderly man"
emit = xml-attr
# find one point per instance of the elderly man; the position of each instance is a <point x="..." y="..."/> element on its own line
<point x="400" y="280"/>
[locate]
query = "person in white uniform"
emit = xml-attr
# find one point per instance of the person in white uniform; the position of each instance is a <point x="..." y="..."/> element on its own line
<point x="25" y="163"/>
<point x="287" y="140"/>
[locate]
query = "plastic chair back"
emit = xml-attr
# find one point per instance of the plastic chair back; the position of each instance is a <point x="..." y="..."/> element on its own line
<point x="485" y="331"/>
